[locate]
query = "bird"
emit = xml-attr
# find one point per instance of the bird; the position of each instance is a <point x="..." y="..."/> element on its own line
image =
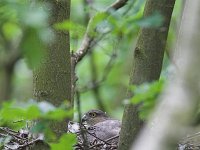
<point x="93" y="117"/>
<point x="98" y="131"/>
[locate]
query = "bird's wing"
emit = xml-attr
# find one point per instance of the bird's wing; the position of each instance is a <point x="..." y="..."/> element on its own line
<point x="101" y="135"/>
<point x="107" y="129"/>
<point x="191" y="142"/>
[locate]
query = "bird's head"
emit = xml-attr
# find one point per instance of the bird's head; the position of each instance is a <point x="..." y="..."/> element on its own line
<point x="93" y="117"/>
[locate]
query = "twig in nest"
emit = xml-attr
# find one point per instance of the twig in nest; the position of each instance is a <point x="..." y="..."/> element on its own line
<point x="18" y="139"/>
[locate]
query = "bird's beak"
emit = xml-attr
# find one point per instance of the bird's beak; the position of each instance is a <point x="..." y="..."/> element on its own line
<point x="84" y="119"/>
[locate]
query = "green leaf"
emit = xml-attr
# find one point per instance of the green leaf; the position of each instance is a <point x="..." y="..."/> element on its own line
<point x="95" y="21"/>
<point x="11" y="30"/>
<point x="35" y="17"/>
<point x="146" y="94"/>
<point x="11" y="112"/>
<point x="75" y="29"/>
<point x="146" y="91"/>
<point x="32" y="112"/>
<point x="58" y="114"/>
<point x="40" y="127"/>
<point x="33" y="48"/>
<point x="154" y="20"/>
<point x="66" y="142"/>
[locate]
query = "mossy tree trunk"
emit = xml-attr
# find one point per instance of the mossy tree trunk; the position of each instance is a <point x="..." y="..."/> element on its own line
<point x="180" y="99"/>
<point x="52" y="80"/>
<point x="147" y="65"/>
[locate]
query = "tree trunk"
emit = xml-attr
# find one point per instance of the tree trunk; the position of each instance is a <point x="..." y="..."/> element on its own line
<point x="52" y="80"/>
<point x="6" y="83"/>
<point x="147" y="65"/>
<point x="175" y="113"/>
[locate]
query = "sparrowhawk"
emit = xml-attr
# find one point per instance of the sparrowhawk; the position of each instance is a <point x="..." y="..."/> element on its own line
<point x="98" y="130"/>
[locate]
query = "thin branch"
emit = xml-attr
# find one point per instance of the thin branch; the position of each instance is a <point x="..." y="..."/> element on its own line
<point x="88" y="39"/>
<point x="106" y="72"/>
<point x="13" y="134"/>
<point x="25" y="145"/>
<point x="14" y="56"/>
<point x="11" y="54"/>
<point x="82" y="131"/>
<point x="30" y="143"/>
<point x="18" y="140"/>
<point x="87" y="3"/>
<point x="96" y="90"/>
<point x="95" y="136"/>
<point x="118" y="4"/>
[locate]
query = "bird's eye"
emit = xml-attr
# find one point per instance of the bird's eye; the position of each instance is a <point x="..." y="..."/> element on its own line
<point x="92" y="114"/>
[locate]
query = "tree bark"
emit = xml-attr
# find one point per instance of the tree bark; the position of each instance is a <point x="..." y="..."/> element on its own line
<point x="6" y="83"/>
<point x="180" y="101"/>
<point x="147" y="65"/>
<point x="7" y="65"/>
<point x="52" y="80"/>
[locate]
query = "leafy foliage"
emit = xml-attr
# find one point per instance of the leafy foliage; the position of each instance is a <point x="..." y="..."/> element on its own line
<point x="147" y="96"/>
<point x="23" y="23"/>
<point x="155" y="20"/>
<point x="75" y="29"/>
<point x="65" y="142"/>
<point x="13" y="111"/>
<point x="18" y="117"/>
<point x="24" y="26"/>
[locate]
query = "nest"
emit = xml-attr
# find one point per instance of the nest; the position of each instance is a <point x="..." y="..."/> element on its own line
<point x="88" y="139"/>
<point x="18" y="140"/>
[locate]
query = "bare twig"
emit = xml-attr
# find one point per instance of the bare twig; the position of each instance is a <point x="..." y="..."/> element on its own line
<point x="96" y="89"/>
<point x="106" y="72"/>
<point x="94" y="142"/>
<point x="82" y="131"/>
<point x="118" y="4"/>
<point x="95" y="136"/>
<point x="78" y="105"/>
<point x="29" y="143"/>
<point x="14" y="56"/>
<point x="88" y="39"/>
<point x="87" y="3"/>
<point x="7" y="63"/>
<point x="112" y="138"/>
<point x="103" y="142"/>
<point x="18" y="139"/>
<point x="15" y="135"/>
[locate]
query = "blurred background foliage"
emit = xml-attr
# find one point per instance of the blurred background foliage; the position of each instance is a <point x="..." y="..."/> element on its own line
<point x="121" y="43"/>
<point x="21" y="21"/>
<point x="103" y="75"/>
